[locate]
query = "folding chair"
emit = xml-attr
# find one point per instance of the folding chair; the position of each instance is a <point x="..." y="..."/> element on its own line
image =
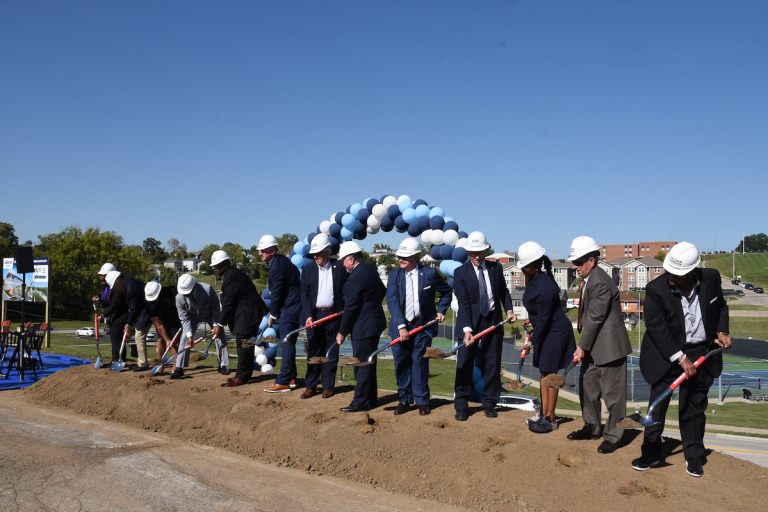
<point x="5" y="333"/>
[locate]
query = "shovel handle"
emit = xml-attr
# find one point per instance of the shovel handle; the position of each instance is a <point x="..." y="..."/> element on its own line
<point x="486" y="331"/>
<point x="323" y="320"/>
<point x="698" y="362"/>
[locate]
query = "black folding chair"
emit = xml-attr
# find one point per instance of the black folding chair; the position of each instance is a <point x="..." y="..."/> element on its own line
<point x="17" y="345"/>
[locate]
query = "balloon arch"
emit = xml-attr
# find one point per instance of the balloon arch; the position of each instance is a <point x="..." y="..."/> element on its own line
<point x="402" y="214"/>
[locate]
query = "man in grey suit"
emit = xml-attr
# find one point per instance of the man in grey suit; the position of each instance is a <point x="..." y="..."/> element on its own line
<point x="602" y="349"/>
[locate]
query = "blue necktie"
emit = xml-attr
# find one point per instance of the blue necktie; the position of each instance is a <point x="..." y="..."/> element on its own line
<point x="484" y="306"/>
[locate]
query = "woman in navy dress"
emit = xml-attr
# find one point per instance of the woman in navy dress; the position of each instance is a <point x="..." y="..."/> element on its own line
<point x="552" y="339"/>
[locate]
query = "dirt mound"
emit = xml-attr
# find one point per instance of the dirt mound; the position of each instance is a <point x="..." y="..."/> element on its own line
<point x="480" y="464"/>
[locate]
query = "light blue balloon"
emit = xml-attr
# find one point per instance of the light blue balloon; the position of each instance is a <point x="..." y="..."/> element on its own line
<point x="298" y="260"/>
<point x="436" y="211"/>
<point x="448" y="267"/>
<point x="448" y="219"/>
<point x="347" y="234"/>
<point x="263" y="324"/>
<point x="356" y="207"/>
<point x="404" y="205"/>
<point x="270" y="332"/>
<point x="422" y="211"/>
<point x="347" y="220"/>
<point x="298" y="247"/>
<point x="409" y="215"/>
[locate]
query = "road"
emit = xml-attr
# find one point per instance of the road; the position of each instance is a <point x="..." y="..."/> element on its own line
<point x="752" y="449"/>
<point x="56" y="460"/>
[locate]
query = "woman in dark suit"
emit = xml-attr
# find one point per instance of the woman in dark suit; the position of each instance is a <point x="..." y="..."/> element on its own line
<point x="552" y="338"/>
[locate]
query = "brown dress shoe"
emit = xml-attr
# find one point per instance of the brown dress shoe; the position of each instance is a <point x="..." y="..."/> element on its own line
<point x="327" y="393"/>
<point x="308" y="393"/>
<point x="278" y="388"/>
<point x="424" y="410"/>
<point x="235" y="382"/>
<point x="401" y="409"/>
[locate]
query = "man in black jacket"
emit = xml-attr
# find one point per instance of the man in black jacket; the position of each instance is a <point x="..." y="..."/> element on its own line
<point x="241" y="309"/>
<point x="126" y="307"/>
<point x="685" y="313"/>
<point x="363" y="319"/>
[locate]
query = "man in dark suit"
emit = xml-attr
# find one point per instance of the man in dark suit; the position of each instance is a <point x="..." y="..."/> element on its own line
<point x="321" y="296"/>
<point x="363" y="319"/>
<point x="241" y="309"/>
<point x="602" y="348"/>
<point x="685" y="312"/>
<point x="285" y="289"/>
<point x="411" y="293"/>
<point x="125" y="312"/>
<point x="483" y="299"/>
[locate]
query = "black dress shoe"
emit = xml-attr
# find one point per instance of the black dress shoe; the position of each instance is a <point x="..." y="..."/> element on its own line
<point x="401" y="409"/>
<point x="139" y="368"/>
<point x="491" y="413"/>
<point x="583" y="434"/>
<point x="607" y="447"/>
<point x="177" y="373"/>
<point x="461" y="416"/>
<point x="224" y="370"/>
<point x="351" y="408"/>
<point x="424" y="410"/>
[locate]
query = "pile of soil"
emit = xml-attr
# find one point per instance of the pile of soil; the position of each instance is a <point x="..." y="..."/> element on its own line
<point x="480" y="464"/>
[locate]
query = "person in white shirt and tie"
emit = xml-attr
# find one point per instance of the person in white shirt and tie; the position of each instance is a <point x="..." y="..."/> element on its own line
<point x="411" y="291"/>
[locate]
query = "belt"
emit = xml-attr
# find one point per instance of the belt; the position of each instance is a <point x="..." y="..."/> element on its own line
<point x="326" y="310"/>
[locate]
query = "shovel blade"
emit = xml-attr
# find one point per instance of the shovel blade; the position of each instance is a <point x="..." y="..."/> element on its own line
<point x="317" y="360"/>
<point x="117" y="366"/>
<point x="156" y="369"/>
<point x="97" y="363"/>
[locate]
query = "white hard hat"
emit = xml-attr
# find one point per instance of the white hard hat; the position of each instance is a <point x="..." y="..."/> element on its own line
<point x="476" y="242"/>
<point x="152" y="291"/>
<point x="319" y="243"/>
<point x="582" y="245"/>
<point x="682" y="258"/>
<point x="267" y="241"/>
<point x="408" y="247"/>
<point x="112" y="276"/>
<point x="348" y="248"/>
<point x="529" y="252"/>
<point x="218" y="256"/>
<point x="106" y="269"/>
<point x="185" y="284"/>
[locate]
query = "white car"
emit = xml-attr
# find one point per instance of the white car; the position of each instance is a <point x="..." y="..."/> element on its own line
<point x="520" y="402"/>
<point x="85" y="332"/>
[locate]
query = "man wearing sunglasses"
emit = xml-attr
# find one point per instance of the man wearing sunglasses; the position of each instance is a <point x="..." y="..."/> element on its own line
<point x="602" y="348"/>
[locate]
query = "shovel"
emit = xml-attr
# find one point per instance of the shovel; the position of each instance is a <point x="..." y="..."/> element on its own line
<point x="353" y="361"/>
<point x="518" y="384"/>
<point x="321" y="359"/>
<point x="637" y="421"/>
<point x="202" y="356"/>
<point x="168" y="360"/>
<point x="163" y="359"/>
<point x="97" y="363"/>
<point x="117" y="366"/>
<point x="311" y="325"/>
<point x="436" y="353"/>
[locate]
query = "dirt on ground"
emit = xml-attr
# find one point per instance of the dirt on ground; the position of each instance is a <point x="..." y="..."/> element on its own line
<point x="481" y="464"/>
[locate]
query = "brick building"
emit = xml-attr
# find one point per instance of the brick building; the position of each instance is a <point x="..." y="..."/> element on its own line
<point x="612" y="252"/>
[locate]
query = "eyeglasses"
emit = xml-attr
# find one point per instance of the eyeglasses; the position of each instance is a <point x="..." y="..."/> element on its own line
<point x="403" y="258"/>
<point x="579" y="262"/>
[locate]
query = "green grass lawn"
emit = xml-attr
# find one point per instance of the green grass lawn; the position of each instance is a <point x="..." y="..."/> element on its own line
<point x="753" y="268"/>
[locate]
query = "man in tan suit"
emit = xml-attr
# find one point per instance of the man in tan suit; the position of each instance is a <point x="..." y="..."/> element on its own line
<point x="602" y="349"/>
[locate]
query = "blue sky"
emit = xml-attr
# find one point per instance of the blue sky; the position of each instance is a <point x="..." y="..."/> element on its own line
<point x="529" y="120"/>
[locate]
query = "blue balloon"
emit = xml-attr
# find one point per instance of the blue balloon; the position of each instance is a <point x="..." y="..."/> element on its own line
<point x="435" y="252"/>
<point x="413" y="229"/>
<point x="448" y="267"/>
<point x="337" y="217"/>
<point x="420" y="202"/>
<point x="354" y="208"/>
<point x="335" y="230"/>
<point x="305" y="250"/>
<point x="266" y="294"/>
<point x="363" y="214"/>
<point x="335" y="248"/>
<point x="347" y="220"/>
<point x="436" y="222"/>
<point x="436" y="211"/>
<point x="298" y="260"/>
<point x="357" y="226"/>
<point x="310" y="236"/>
<point x="334" y="240"/>
<point x="446" y="251"/>
<point x="459" y="254"/>
<point x="422" y="211"/>
<point x="404" y="205"/>
<point x="370" y="203"/>
<point x="450" y="224"/>
<point x="400" y="224"/>
<point x="387" y="224"/>
<point x="360" y="235"/>
<point x="298" y="246"/>
<point x="347" y="209"/>
<point x="463" y="234"/>
<point x="450" y="282"/>
<point x="409" y="215"/>
<point x="346" y="234"/>
<point x="393" y="211"/>
<point x="422" y="223"/>
<point x="307" y="261"/>
<point x="263" y="324"/>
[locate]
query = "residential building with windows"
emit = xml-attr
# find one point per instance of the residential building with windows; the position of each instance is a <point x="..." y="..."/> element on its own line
<point x="611" y="252"/>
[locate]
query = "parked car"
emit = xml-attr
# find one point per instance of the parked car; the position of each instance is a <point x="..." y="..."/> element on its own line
<point x="84" y="332"/>
<point x="735" y="281"/>
<point x="749" y="286"/>
<point x="520" y="402"/>
<point x="757" y="289"/>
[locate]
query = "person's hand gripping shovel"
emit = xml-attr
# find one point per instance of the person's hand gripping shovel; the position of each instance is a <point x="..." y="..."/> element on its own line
<point x="165" y="359"/>
<point x="353" y="361"/>
<point x="436" y="353"/>
<point x="518" y="383"/>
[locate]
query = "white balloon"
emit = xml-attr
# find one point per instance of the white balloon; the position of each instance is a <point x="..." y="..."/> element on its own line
<point x="450" y="236"/>
<point x="267" y="368"/>
<point x="325" y="227"/>
<point x="261" y="360"/>
<point x="462" y="242"/>
<point x="373" y="222"/>
<point x="379" y="211"/>
<point x="372" y="231"/>
<point x="426" y="236"/>
<point x="389" y="201"/>
<point x="257" y="350"/>
<point x="437" y="236"/>
<point x="332" y="218"/>
<point x="400" y="198"/>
